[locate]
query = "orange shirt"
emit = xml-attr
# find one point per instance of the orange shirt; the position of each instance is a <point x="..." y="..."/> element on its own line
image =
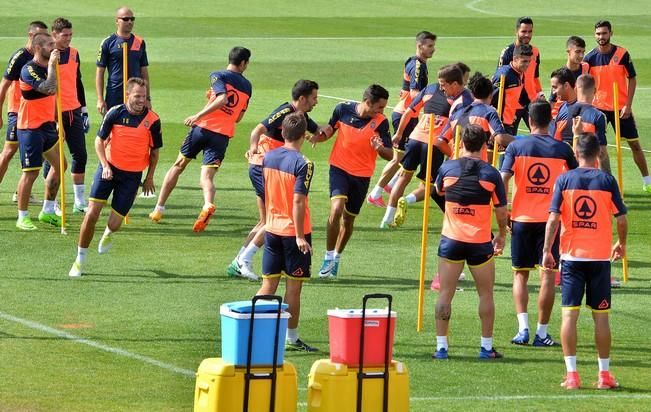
<point x="12" y="73"/>
<point x="608" y="68"/>
<point x="238" y="90"/>
<point x="431" y="100"/>
<point x="513" y="86"/>
<point x="35" y="108"/>
<point x="69" y="71"/>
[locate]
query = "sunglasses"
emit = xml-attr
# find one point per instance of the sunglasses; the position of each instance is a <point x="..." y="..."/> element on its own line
<point x="127" y="18"/>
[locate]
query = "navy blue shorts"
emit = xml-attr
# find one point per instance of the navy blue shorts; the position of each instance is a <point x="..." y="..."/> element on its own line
<point x="352" y="188"/>
<point x="282" y="256"/>
<point x="12" y="121"/>
<point x="395" y="121"/>
<point x="212" y="144"/>
<point x="416" y="158"/>
<point x="257" y="180"/>
<point x="34" y="142"/>
<point x="476" y="254"/>
<point x="627" y="127"/>
<point x="124" y="186"/>
<point x="591" y="278"/>
<point x="527" y="241"/>
<point x="114" y="97"/>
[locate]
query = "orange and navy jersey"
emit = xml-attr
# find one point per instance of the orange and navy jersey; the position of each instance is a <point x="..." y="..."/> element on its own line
<point x="12" y="73"/>
<point x="554" y="100"/>
<point x="273" y="137"/>
<point x="608" y="68"/>
<point x="535" y="163"/>
<point x="72" y="89"/>
<point x="513" y="89"/>
<point x="592" y="120"/>
<point x="479" y="114"/>
<point x="469" y="186"/>
<point x="352" y="151"/>
<point x="35" y="108"/>
<point x="129" y="138"/>
<point x="586" y="198"/>
<point x="414" y="77"/>
<point x="431" y="100"/>
<point x="531" y="77"/>
<point x="238" y="91"/>
<point x="109" y="56"/>
<point x="286" y="172"/>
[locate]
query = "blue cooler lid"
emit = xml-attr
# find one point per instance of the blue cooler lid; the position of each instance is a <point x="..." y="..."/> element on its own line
<point x="261" y="306"/>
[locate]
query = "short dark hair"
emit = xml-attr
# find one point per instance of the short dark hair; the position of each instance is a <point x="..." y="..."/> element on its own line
<point x="425" y="35"/>
<point x="585" y="81"/>
<point x="480" y="86"/>
<point x="135" y="81"/>
<point x="522" y="50"/>
<point x="238" y="55"/>
<point x="463" y="67"/>
<point x="540" y="113"/>
<point x="303" y="88"/>
<point x="523" y="20"/>
<point x="603" y="23"/>
<point x="294" y="126"/>
<point x="41" y="38"/>
<point x="61" y="23"/>
<point x="587" y="145"/>
<point x="374" y="93"/>
<point x="473" y="137"/>
<point x="36" y="24"/>
<point x="564" y="75"/>
<point x="450" y="73"/>
<point x="575" y="41"/>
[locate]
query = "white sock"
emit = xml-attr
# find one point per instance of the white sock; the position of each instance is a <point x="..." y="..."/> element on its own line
<point x="410" y="198"/>
<point x="206" y="206"/>
<point x="240" y="252"/>
<point x="646" y="180"/>
<point x="249" y="252"/>
<point x="523" y="321"/>
<point x="107" y="232"/>
<point x="394" y="179"/>
<point x="376" y="192"/>
<point x="81" y="254"/>
<point x="79" y="194"/>
<point x="541" y="331"/>
<point x="159" y="208"/>
<point x="441" y="342"/>
<point x="329" y="255"/>
<point x="336" y="256"/>
<point x="292" y="335"/>
<point x="48" y="206"/>
<point x="604" y="364"/>
<point x="570" y="363"/>
<point x="389" y="214"/>
<point x="487" y="343"/>
<point x="23" y="214"/>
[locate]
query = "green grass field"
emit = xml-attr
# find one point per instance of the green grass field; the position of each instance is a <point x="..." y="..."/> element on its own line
<point x="127" y="335"/>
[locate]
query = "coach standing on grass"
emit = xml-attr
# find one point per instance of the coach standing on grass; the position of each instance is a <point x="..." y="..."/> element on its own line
<point x="109" y="58"/>
<point x="582" y="204"/>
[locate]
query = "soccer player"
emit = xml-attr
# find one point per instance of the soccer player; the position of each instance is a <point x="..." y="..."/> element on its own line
<point x="10" y="87"/>
<point x="531" y="75"/>
<point x="266" y="136"/>
<point x="288" y="241"/>
<point x="576" y="97"/>
<point x="609" y="64"/>
<point x="109" y="57"/>
<point x="128" y="142"/>
<point x="513" y="87"/>
<point x="211" y="130"/>
<point x="534" y="163"/>
<point x="582" y="204"/>
<point x="74" y="113"/>
<point x="439" y="99"/>
<point x="362" y="134"/>
<point x="575" y="48"/>
<point x="469" y="185"/>
<point x="36" y="130"/>
<point x="414" y="80"/>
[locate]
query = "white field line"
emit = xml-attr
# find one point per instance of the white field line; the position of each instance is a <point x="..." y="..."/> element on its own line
<point x="110" y="349"/>
<point x="471" y="6"/>
<point x="325" y="96"/>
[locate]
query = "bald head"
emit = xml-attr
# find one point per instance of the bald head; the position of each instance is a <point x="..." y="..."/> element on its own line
<point x="124" y="21"/>
<point x="124" y="11"/>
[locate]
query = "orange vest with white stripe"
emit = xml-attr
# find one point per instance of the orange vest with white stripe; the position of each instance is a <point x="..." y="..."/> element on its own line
<point x="128" y="148"/>
<point x="606" y="76"/>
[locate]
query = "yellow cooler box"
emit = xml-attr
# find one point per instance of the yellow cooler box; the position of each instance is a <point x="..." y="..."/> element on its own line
<point x="220" y="388"/>
<point x="332" y="387"/>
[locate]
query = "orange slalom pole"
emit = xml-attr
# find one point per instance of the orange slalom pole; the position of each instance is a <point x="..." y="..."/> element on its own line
<point x="62" y="186"/>
<point x="620" y="171"/>
<point x="125" y="78"/>
<point x="500" y="108"/>
<point x="424" y="236"/>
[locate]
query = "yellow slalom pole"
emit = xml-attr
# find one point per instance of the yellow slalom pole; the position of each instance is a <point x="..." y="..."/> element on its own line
<point x="125" y="78"/>
<point x="457" y="141"/>
<point x="500" y="108"/>
<point x="62" y="185"/>
<point x="424" y="236"/>
<point x="620" y="172"/>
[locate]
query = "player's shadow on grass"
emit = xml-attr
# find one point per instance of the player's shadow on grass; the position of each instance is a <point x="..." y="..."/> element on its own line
<point x="360" y="280"/>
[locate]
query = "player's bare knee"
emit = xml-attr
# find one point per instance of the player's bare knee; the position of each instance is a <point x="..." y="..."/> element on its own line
<point x="443" y="311"/>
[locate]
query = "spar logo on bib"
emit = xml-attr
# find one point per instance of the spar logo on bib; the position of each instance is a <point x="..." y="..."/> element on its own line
<point x="585" y="208"/>
<point x="538" y="175"/>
